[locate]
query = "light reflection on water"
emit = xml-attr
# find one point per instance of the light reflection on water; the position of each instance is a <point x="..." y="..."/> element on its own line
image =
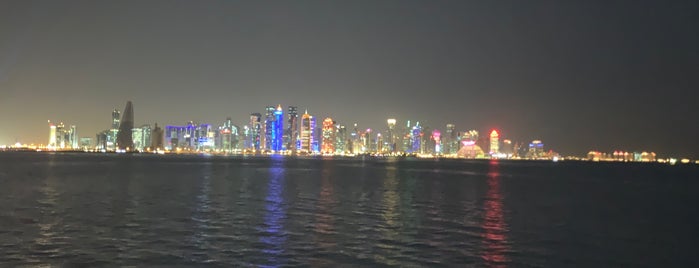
<point x="273" y="233"/>
<point x="494" y="226"/>
<point x="141" y="210"/>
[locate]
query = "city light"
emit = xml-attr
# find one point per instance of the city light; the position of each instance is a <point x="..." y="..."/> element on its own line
<point x="272" y="134"/>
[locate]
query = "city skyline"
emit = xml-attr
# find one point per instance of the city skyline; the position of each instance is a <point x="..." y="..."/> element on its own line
<point x="571" y="74"/>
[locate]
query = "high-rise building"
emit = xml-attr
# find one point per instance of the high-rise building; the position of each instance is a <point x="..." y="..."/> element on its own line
<point x="226" y="136"/>
<point x="507" y="148"/>
<point x="85" y="143"/>
<point x="255" y="132"/>
<point x="390" y="139"/>
<point x="268" y="128"/>
<point x="415" y="138"/>
<point x="407" y="138"/>
<point x="278" y="130"/>
<point x="536" y="150"/>
<point x="204" y="137"/>
<point x="306" y="133"/>
<point x="115" y="119"/>
<point x="315" y="134"/>
<point x="52" y="135"/>
<point x="328" y="136"/>
<point x="157" y="138"/>
<point x="141" y="138"/>
<point x="494" y="142"/>
<point x="292" y="130"/>
<point x="437" y="140"/>
<point x="341" y="139"/>
<point x="124" y="139"/>
<point x="61" y="137"/>
<point x="451" y="141"/>
<point x="73" y="137"/>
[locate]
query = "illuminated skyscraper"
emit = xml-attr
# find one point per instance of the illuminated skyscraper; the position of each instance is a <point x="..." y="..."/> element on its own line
<point x="306" y="133"/>
<point x="341" y="139"/>
<point x="141" y="137"/>
<point x="328" y="136"/>
<point x="226" y="138"/>
<point x="124" y="140"/>
<point x="416" y="138"/>
<point x="536" y="150"/>
<point x="315" y="136"/>
<point x="268" y="127"/>
<point x="204" y="137"/>
<point x="451" y="142"/>
<point x="61" y="137"/>
<point x="494" y="142"/>
<point x="437" y="138"/>
<point x="73" y="137"/>
<point x="115" y="119"/>
<point x="507" y="147"/>
<point x="52" y="135"/>
<point x="292" y="130"/>
<point x="391" y="135"/>
<point x="255" y="131"/>
<point x="278" y="130"/>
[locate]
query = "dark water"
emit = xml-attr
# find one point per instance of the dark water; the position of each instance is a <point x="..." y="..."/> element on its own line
<point x="145" y="210"/>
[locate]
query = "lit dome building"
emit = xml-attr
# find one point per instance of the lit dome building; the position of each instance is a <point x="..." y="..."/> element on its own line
<point x="469" y="149"/>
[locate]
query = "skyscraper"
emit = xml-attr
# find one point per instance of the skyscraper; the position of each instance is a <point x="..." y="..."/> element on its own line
<point x="451" y="142"/>
<point x="341" y="139"/>
<point x="278" y="130"/>
<point x="268" y="128"/>
<point x="124" y="140"/>
<point x="416" y="138"/>
<point x="391" y="135"/>
<point x="292" y="130"/>
<point x="115" y="119"/>
<point x="157" y="138"/>
<point x="52" y="135"/>
<point x="255" y="131"/>
<point x="494" y="142"/>
<point x="437" y="138"/>
<point x="328" y="136"/>
<point x="306" y="133"/>
<point x="141" y="137"/>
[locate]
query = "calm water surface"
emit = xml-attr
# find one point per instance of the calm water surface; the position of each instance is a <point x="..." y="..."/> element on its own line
<point x="145" y="210"/>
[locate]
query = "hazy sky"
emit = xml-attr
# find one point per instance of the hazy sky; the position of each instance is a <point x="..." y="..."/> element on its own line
<point x="580" y="75"/>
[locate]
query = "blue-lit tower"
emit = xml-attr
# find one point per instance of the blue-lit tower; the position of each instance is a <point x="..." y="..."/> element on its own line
<point x="314" y="136"/>
<point x="416" y="138"/>
<point x="278" y="130"/>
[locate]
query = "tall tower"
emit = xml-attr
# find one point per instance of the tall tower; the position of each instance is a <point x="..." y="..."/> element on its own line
<point x="278" y="130"/>
<point x="451" y="143"/>
<point x="255" y="130"/>
<point x="328" y="136"/>
<point x="494" y="142"/>
<point x="416" y="138"/>
<point x="157" y="138"/>
<point x="115" y="119"/>
<point x="437" y="138"/>
<point x="268" y="127"/>
<point x="292" y="130"/>
<point x="390" y="135"/>
<point x="124" y="138"/>
<point x="306" y="133"/>
<point x="52" y="135"/>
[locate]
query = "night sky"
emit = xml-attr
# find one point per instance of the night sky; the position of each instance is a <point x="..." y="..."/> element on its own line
<point x="579" y="75"/>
